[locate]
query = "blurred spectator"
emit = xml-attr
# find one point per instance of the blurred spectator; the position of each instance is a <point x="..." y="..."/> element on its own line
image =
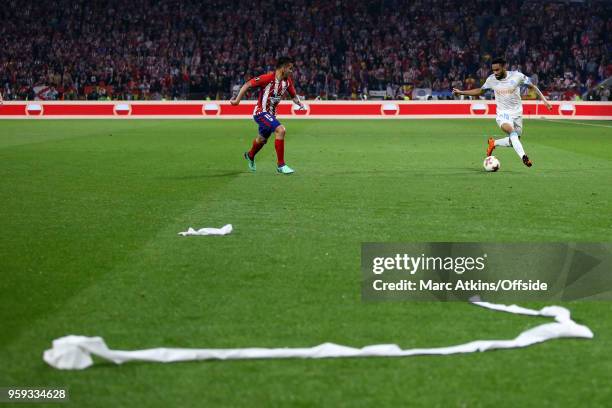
<point x="171" y="49"/>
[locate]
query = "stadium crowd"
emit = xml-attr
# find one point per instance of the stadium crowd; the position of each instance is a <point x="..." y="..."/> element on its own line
<point x="189" y="49"/>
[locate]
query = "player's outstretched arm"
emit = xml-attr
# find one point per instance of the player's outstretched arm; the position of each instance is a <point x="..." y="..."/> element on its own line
<point x="296" y="100"/>
<point x="470" y="92"/>
<point x="243" y="90"/>
<point x="294" y="96"/>
<point x="541" y="96"/>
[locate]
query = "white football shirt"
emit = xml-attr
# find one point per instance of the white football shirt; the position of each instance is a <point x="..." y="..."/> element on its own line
<point x="508" y="91"/>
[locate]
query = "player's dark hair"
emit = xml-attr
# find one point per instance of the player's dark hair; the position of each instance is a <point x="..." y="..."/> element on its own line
<point x="499" y="60"/>
<point x="282" y="61"/>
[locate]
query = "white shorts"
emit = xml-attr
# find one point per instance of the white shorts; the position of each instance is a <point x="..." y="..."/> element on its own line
<point x="515" y="120"/>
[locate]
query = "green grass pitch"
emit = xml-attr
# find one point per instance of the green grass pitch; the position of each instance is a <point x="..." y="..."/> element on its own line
<point x="90" y="212"/>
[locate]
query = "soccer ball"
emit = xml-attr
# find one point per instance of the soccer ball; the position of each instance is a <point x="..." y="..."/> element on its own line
<point x="491" y="164"/>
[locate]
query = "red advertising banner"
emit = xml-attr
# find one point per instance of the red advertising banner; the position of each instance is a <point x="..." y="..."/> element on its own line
<point x="314" y="110"/>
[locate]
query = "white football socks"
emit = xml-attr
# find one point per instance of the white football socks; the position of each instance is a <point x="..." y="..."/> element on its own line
<point x="516" y="143"/>
<point x="505" y="142"/>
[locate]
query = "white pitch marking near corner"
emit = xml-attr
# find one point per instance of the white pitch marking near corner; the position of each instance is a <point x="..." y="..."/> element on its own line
<point x="75" y="352"/>
<point x="575" y="123"/>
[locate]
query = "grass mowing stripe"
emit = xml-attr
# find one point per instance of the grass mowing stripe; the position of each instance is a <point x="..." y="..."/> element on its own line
<point x="82" y="211"/>
<point x="23" y="132"/>
<point x="573" y="122"/>
<point x="290" y="276"/>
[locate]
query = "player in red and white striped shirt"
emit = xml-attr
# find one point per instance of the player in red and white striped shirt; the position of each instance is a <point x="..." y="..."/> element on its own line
<point x="272" y="86"/>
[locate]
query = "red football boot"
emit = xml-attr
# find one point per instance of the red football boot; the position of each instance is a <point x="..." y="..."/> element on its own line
<point x="491" y="146"/>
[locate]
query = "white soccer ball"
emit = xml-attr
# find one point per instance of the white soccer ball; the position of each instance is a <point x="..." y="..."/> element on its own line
<point x="491" y="163"/>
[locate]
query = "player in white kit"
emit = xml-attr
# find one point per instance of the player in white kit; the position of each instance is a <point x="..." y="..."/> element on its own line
<point x="507" y="88"/>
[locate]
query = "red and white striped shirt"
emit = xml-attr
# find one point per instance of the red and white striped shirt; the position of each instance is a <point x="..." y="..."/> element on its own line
<point x="271" y="91"/>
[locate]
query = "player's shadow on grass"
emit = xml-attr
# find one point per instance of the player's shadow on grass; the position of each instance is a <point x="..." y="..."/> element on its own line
<point x="467" y="170"/>
<point x="445" y="172"/>
<point x="204" y="175"/>
<point x="481" y="171"/>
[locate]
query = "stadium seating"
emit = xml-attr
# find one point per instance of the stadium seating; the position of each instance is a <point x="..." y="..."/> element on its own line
<point x="188" y="49"/>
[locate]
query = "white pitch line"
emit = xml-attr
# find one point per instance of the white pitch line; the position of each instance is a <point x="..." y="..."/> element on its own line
<point x="575" y="123"/>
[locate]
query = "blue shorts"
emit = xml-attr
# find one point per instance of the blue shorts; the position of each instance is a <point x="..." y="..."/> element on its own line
<point x="267" y="124"/>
